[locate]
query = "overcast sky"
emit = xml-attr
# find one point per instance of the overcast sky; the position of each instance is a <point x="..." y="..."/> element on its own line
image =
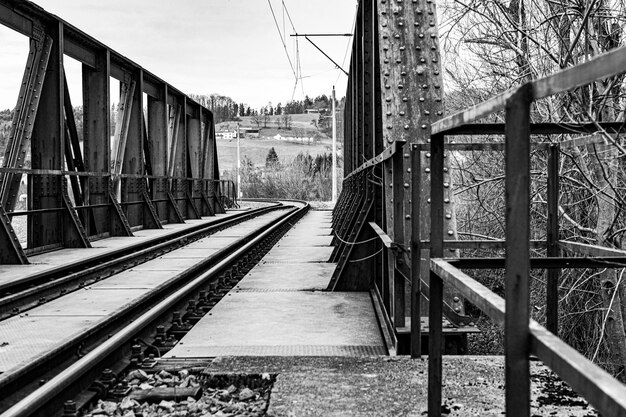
<point x="230" y="47"/>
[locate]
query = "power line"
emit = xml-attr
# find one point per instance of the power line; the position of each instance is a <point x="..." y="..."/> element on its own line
<point x="282" y="40"/>
<point x="298" y="61"/>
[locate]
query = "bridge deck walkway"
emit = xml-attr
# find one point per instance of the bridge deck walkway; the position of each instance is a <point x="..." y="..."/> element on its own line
<point x="280" y="307"/>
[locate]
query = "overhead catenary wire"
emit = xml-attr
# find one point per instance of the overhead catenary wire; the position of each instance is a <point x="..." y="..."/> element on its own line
<point x="282" y="40"/>
<point x="298" y="61"/>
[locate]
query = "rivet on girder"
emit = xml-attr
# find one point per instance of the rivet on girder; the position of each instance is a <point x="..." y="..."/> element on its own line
<point x="387" y="86"/>
<point x="385" y="24"/>
<point x="447" y="201"/>
<point x="421" y="35"/>
<point x="445" y="169"/>
<point x="434" y="59"/>
<point x="420" y="72"/>
<point x="446" y="184"/>
<point x="427" y="154"/>
<point x="397" y="36"/>
<point x="386" y="61"/>
<point x="428" y="201"/>
<point x="383" y="12"/>
<point x="385" y="48"/>
<point x="408" y="217"/>
<point x="433" y="36"/>
<point x="421" y="99"/>
<point x="388" y="113"/>
<point x="448" y="216"/>
<point x="406" y="127"/>
<point x="408" y="170"/>
<point x="424" y="86"/>
<point x="398" y="61"/>
<point x="388" y="99"/>
<point x="385" y="36"/>
<point x="439" y="113"/>
<point x="432" y="23"/>
<point x="427" y="170"/>
<point x="422" y="60"/>
<point x="450" y="232"/>
<point x="418" y="11"/>
<point x="437" y="86"/>
<point x="404" y="99"/>
<point x="424" y="126"/>
<point x="402" y="48"/>
<point x="386" y="73"/>
<point x="389" y="127"/>
<point x="401" y="112"/>
<point x="426" y="112"/>
<point x="400" y="24"/>
<point x="400" y="86"/>
<point x="395" y="12"/>
<point x="416" y="24"/>
<point x="406" y="185"/>
<point x="436" y="72"/>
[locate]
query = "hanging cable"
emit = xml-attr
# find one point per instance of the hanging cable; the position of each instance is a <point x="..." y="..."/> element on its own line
<point x="282" y="40"/>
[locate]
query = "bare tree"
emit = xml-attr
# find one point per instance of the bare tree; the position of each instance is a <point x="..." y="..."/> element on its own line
<point x="490" y="46"/>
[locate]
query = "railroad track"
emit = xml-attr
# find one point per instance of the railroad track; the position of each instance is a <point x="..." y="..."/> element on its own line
<point x="147" y="326"/>
<point x="21" y="294"/>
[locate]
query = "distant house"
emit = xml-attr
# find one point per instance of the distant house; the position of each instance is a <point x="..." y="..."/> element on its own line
<point x="226" y="134"/>
<point x="316" y="111"/>
<point x="251" y="133"/>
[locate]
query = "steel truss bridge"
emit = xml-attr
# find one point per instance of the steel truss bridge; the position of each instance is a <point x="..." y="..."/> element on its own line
<point x="394" y="223"/>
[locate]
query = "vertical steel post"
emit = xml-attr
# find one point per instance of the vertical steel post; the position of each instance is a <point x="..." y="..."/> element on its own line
<point x="157" y="136"/>
<point x="47" y="144"/>
<point x="97" y="139"/>
<point x="416" y="327"/>
<point x="517" y="183"/>
<point x="133" y="156"/>
<point x="398" y="236"/>
<point x="435" y="317"/>
<point x="552" y="289"/>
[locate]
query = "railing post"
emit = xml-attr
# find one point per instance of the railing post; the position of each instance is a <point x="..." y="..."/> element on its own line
<point x="516" y="333"/>
<point x="435" y="317"/>
<point x="416" y="327"/>
<point x="552" y="289"/>
<point x="398" y="235"/>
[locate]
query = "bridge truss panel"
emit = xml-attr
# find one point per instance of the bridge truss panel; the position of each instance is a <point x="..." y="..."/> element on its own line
<point x="79" y="186"/>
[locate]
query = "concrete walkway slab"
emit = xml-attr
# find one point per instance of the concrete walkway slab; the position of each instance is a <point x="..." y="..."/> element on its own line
<point x="368" y="386"/>
<point x="277" y="309"/>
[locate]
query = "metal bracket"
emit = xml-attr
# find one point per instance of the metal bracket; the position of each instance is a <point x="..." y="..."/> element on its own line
<point x="74" y="234"/>
<point x="150" y="216"/>
<point x="119" y="222"/>
<point x="206" y="201"/>
<point x="173" y="213"/>
<point x="11" y="252"/>
<point x="192" y="210"/>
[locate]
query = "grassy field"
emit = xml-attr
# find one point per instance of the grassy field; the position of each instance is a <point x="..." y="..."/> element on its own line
<point x="256" y="150"/>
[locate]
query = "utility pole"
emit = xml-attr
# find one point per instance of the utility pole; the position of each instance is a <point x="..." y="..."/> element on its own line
<point x="239" y="192"/>
<point x="334" y="148"/>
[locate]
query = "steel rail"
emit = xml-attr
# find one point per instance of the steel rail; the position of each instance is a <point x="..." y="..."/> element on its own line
<point x="46" y="282"/>
<point x="38" y="399"/>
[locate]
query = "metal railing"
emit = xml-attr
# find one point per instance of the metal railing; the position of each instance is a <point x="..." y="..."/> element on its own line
<point x="522" y="336"/>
